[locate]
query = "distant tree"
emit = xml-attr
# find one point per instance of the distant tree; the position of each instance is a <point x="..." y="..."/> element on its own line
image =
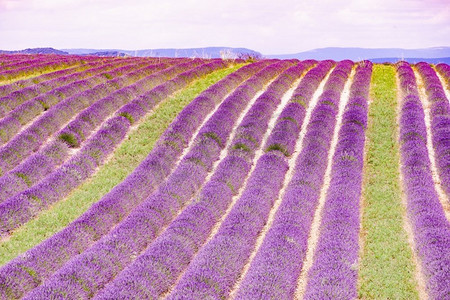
<point x="249" y="57"/>
<point x="227" y="54"/>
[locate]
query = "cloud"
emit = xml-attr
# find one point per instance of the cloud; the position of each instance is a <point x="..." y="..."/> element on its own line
<point x="268" y="26"/>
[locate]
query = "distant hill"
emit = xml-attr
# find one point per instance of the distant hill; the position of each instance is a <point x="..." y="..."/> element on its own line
<point x="109" y="53"/>
<point x="412" y="60"/>
<point x="378" y="54"/>
<point x="36" y="51"/>
<point x="207" y="52"/>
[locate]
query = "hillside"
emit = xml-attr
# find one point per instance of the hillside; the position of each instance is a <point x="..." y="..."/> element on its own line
<point x="340" y="53"/>
<point x="181" y="178"/>
<point x="206" y="52"/>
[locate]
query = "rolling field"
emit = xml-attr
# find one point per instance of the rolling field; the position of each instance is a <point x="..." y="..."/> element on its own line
<point x="179" y="178"/>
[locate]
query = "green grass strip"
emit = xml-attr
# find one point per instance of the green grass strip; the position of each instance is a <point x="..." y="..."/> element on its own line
<point x="386" y="267"/>
<point x="125" y="159"/>
<point x="32" y="74"/>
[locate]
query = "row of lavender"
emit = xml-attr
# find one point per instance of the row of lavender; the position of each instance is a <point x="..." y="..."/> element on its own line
<point x="235" y="239"/>
<point x="277" y="265"/>
<point x="444" y="69"/>
<point x="176" y="246"/>
<point x="99" y="264"/>
<point x="40" y="164"/>
<point x="61" y="111"/>
<point x="334" y="271"/>
<point x="43" y="260"/>
<point x="36" y="82"/>
<point x="9" y="62"/>
<point x="226" y="244"/>
<point x="42" y="64"/>
<point x="430" y="227"/>
<point x="21" y="207"/>
<point x="440" y="121"/>
<point x="28" y="103"/>
<point x="17" y="93"/>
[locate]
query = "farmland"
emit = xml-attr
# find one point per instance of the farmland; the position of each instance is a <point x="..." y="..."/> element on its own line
<point x="186" y="178"/>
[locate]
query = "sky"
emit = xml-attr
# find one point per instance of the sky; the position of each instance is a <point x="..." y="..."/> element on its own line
<point x="267" y="26"/>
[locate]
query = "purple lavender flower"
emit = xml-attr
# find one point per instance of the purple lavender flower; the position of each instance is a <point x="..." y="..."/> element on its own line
<point x="430" y="226"/>
<point x="50" y="255"/>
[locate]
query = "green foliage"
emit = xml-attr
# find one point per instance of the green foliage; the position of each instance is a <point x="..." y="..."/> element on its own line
<point x="197" y="161"/>
<point x="69" y="139"/>
<point x="241" y="146"/>
<point x="289" y="119"/>
<point x="278" y="147"/>
<point x="213" y="136"/>
<point x="300" y="100"/>
<point x="386" y="266"/>
<point x="172" y="144"/>
<point x="45" y="105"/>
<point x="128" y="116"/>
<point x="327" y="102"/>
<point x="24" y="177"/>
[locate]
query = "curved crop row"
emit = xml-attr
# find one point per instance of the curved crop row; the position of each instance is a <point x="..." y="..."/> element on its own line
<point x="41" y="67"/>
<point x="29" y="109"/>
<point x="47" y="257"/>
<point x="30" y="139"/>
<point x="334" y="272"/>
<point x="47" y="78"/>
<point x="20" y="208"/>
<point x="43" y="162"/>
<point x="190" y="229"/>
<point x="96" y="266"/>
<point x="58" y="87"/>
<point x="277" y="265"/>
<point x="233" y="243"/>
<point x="440" y="122"/>
<point x="430" y="227"/>
<point x="444" y="69"/>
<point x="32" y="60"/>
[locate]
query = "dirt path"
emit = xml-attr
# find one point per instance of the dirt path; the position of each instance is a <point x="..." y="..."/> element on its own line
<point x="407" y="226"/>
<point x="223" y="154"/>
<point x="284" y="101"/>
<point x="315" y="226"/>
<point x="426" y="104"/>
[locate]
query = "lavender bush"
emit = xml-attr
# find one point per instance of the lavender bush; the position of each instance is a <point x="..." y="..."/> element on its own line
<point x="430" y="227"/>
<point x="277" y="265"/>
<point x="47" y="257"/>
<point x="440" y="122"/>
<point x="18" y="209"/>
<point x="334" y="271"/>
<point x="24" y="113"/>
<point x="28" y="141"/>
<point x="131" y="236"/>
<point x="174" y="249"/>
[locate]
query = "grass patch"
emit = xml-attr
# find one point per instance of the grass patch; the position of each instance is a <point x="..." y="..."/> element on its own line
<point x="128" y="116"/>
<point x="33" y="74"/>
<point x="125" y="159"/>
<point x="69" y="139"/>
<point x="386" y="266"/>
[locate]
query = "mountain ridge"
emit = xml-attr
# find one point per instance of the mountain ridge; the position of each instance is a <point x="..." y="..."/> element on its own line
<point x="378" y="55"/>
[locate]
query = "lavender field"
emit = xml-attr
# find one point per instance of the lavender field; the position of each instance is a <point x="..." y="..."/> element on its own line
<point x="274" y="179"/>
